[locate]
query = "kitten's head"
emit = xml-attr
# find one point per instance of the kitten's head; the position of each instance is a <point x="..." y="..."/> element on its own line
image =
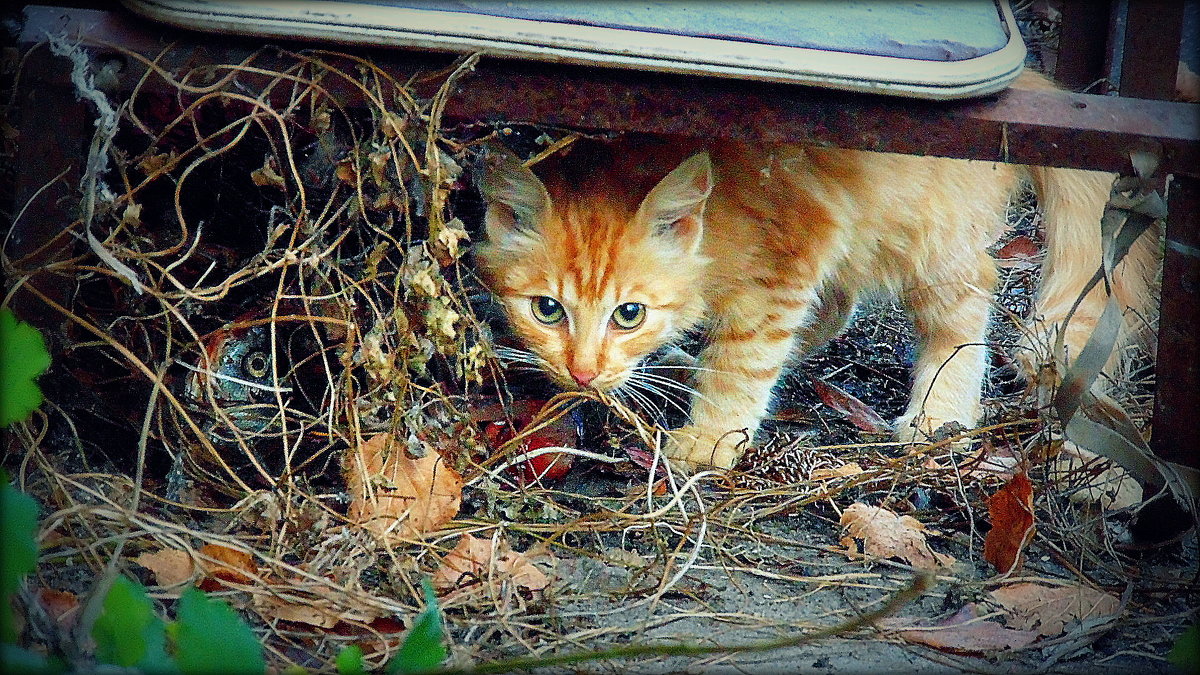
<point x="594" y="275"/>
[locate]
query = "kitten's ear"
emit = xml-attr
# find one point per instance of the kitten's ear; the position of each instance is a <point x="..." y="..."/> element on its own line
<point x="676" y="205"/>
<point x="515" y="198"/>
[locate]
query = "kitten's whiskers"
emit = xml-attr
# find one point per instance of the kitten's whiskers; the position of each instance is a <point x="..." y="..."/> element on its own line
<point x="646" y="386"/>
<point x="660" y="381"/>
<point x="685" y="367"/>
<point x="647" y="406"/>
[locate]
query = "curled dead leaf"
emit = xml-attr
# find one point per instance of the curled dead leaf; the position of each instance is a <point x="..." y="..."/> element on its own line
<point x="155" y="163"/>
<point x="465" y="564"/>
<point x="379" y="163"/>
<point x="523" y="572"/>
<point x="267" y="175"/>
<point x="961" y="633"/>
<point x="887" y="535"/>
<point x="1088" y="478"/>
<point x="396" y="496"/>
<point x="393" y="124"/>
<point x="1049" y="609"/>
<point x="307" y="608"/>
<point x="62" y="606"/>
<point x="1011" y="513"/>
<point x="346" y="172"/>
<point x="858" y="413"/>
<point x="480" y="564"/>
<point x="990" y="459"/>
<point x="449" y="236"/>
<point x="170" y="566"/>
<point x="132" y="215"/>
<point x="227" y="564"/>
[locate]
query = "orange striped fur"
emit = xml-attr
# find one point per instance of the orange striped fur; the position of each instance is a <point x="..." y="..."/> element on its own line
<point x="766" y="243"/>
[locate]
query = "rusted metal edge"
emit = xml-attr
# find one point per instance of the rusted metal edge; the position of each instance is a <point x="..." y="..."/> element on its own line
<point x="1150" y="50"/>
<point x="1083" y="42"/>
<point x="1177" y="367"/>
<point x="1034" y="127"/>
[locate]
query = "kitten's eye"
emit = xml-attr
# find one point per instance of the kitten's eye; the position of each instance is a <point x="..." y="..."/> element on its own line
<point x="548" y="310"/>
<point x="629" y="315"/>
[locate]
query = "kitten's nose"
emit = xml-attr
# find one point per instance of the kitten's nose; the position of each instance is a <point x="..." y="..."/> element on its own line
<point x="583" y="377"/>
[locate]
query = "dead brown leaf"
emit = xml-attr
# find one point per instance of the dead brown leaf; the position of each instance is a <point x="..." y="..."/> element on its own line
<point x="1001" y="461"/>
<point x="62" y="606"/>
<point x="962" y="633"/>
<point x="478" y="563"/>
<point x="858" y="413"/>
<point x="227" y="564"/>
<point x="1011" y="513"/>
<point x="170" y="566"/>
<point x="155" y="163"/>
<point x="523" y="572"/>
<point x="887" y="535"/>
<point x="1048" y="609"/>
<point x="378" y="635"/>
<point x="311" y="610"/>
<point x="267" y="175"/>
<point x="346" y="172"/>
<point x="1088" y="478"/>
<point x="397" y="496"/>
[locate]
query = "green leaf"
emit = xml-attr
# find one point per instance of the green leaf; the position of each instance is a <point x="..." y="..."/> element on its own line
<point x="1078" y="379"/>
<point x="1144" y="162"/>
<point x="18" y="531"/>
<point x="18" y="547"/>
<point x="1185" y="655"/>
<point x="422" y="650"/>
<point x="128" y="633"/>
<point x="16" y="660"/>
<point x="350" y="661"/>
<point x="23" y="357"/>
<point x="212" y="638"/>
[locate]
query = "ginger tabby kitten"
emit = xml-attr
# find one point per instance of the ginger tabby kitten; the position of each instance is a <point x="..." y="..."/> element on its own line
<point x="619" y="248"/>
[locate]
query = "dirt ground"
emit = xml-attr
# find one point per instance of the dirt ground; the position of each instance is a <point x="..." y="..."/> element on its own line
<point x="767" y="567"/>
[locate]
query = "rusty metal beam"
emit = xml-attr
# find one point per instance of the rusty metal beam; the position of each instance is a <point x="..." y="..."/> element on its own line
<point x="1177" y="371"/>
<point x="1083" y="43"/>
<point x="54" y="130"/>
<point x="1150" y="50"/>
<point x="1036" y="127"/>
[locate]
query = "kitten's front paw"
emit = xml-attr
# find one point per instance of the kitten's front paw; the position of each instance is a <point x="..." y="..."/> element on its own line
<point x="700" y="448"/>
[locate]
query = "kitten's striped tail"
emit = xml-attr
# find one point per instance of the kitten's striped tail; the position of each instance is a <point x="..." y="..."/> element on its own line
<point x="1073" y="203"/>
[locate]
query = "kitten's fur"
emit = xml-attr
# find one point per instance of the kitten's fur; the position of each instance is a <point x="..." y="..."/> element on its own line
<point x="772" y="242"/>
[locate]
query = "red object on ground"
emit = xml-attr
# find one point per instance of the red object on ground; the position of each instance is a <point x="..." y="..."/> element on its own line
<point x="548" y="467"/>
